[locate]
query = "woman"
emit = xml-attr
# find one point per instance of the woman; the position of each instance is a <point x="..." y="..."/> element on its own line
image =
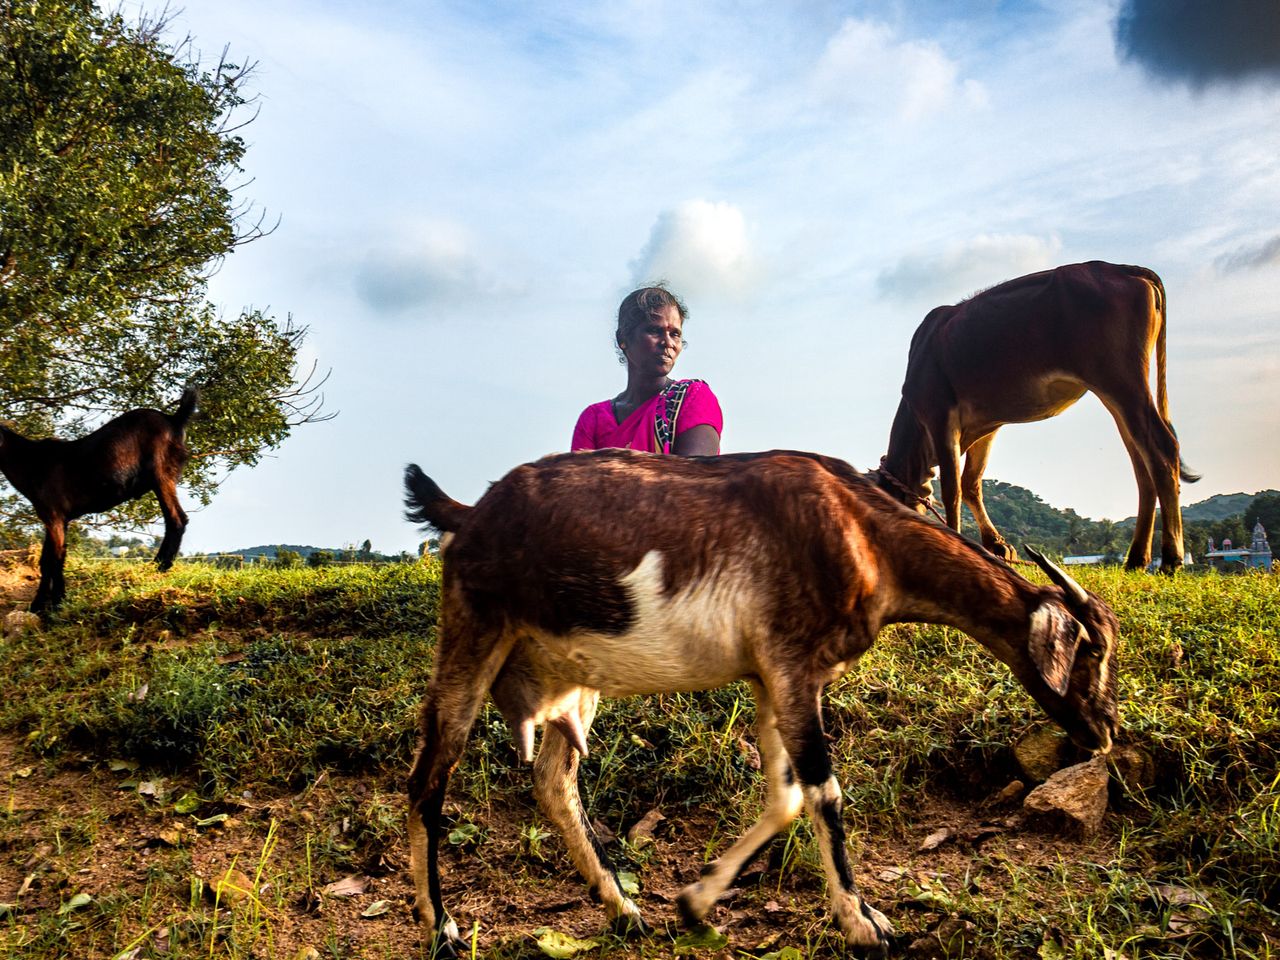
<point x="654" y="412"/>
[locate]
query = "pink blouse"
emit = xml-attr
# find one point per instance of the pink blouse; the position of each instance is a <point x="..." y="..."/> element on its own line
<point x="597" y="427"/>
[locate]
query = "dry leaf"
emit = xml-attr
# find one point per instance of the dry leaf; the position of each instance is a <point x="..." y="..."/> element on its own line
<point x="351" y="886"/>
<point x="642" y="830"/>
<point x="936" y="839"/>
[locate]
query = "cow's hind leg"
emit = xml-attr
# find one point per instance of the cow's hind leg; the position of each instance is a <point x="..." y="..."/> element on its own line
<point x="457" y="690"/>
<point x="800" y="727"/>
<point x="785" y="802"/>
<point x="555" y="784"/>
<point x="975" y="465"/>
<point x="1153" y="449"/>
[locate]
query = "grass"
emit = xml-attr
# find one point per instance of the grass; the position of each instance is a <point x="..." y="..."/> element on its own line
<point x="221" y="683"/>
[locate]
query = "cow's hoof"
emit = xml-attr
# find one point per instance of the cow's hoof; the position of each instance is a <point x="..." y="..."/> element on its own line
<point x="1002" y="550"/>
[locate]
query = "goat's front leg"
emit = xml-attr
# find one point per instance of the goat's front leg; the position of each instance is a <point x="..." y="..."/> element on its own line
<point x="53" y="558"/>
<point x="785" y="802"/>
<point x="555" y="784"/>
<point x="800" y="725"/>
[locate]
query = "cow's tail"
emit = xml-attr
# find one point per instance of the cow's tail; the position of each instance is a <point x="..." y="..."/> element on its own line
<point x="428" y="504"/>
<point x="1162" y="364"/>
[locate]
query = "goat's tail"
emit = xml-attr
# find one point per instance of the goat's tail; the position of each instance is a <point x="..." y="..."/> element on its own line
<point x="428" y="504"/>
<point x="186" y="407"/>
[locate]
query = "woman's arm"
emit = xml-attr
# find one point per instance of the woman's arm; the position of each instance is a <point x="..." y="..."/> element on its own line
<point x="699" y="441"/>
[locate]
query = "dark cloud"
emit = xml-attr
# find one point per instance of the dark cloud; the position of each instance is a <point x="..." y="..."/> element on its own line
<point x="1201" y="42"/>
<point x="1250" y="258"/>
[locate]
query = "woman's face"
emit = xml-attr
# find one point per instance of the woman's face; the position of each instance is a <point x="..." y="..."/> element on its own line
<point x="652" y="347"/>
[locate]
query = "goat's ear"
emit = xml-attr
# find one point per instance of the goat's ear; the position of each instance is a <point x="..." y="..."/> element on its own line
<point x="1055" y="638"/>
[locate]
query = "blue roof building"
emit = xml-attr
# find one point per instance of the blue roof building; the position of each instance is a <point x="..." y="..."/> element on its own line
<point x="1235" y="559"/>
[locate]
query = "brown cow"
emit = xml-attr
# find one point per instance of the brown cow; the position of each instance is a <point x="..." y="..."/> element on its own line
<point x="1026" y="350"/>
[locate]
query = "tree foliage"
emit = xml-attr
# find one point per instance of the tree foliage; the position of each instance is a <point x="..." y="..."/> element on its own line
<point x="120" y="159"/>
<point x="1264" y="509"/>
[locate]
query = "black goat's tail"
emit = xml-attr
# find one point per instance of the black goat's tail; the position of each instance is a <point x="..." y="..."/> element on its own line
<point x="186" y="407"/>
<point x="428" y="504"/>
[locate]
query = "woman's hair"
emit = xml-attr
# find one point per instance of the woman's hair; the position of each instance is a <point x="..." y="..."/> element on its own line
<point x="641" y="305"/>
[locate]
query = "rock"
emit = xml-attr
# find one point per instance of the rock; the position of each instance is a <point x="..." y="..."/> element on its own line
<point x="1072" y="801"/>
<point x="231" y="887"/>
<point x="1041" y="753"/>
<point x="956" y="936"/>
<point x="1133" y="767"/>
<point x="1011" y="792"/>
<point x="18" y="622"/>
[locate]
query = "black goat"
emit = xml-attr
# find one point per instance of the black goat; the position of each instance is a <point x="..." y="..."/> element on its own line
<point x="138" y="452"/>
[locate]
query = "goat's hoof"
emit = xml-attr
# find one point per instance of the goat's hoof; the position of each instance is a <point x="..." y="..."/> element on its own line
<point x="868" y="932"/>
<point x="630" y="926"/>
<point x="690" y="918"/>
<point x="447" y="945"/>
<point x="446" y="942"/>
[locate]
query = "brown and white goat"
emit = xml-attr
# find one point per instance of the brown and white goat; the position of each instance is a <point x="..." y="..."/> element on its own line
<point x="139" y="452"/>
<point x="621" y="573"/>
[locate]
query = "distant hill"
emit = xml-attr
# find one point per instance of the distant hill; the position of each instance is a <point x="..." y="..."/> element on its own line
<point x="1023" y="518"/>
<point x="271" y="549"/>
<point x="1218" y="507"/>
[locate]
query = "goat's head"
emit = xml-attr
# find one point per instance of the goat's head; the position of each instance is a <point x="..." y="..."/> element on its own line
<point x="1073" y="644"/>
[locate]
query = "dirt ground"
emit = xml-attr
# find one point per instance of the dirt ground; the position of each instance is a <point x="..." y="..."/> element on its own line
<point x="97" y="828"/>
<point x="93" y="831"/>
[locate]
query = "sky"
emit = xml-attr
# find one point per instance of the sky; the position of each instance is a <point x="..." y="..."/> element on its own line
<point x="465" y="191"/>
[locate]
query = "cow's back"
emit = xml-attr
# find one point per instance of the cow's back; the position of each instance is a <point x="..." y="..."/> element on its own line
<point x="1028" y="348"/>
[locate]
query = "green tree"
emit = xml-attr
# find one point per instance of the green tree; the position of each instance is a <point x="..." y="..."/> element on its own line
<point x="287" y="558"/>
<point x="1264" y="509"/>
<point x="119" y="164"/>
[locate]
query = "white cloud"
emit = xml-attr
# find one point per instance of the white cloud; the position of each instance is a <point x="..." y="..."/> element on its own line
<point x="968" y="267"/>
<point x="434" y="264"/>
<point x="700" y="248"/>
<point x="865" y="68"/>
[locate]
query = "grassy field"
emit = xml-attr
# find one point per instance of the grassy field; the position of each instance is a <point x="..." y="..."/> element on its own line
<point x="171" y="731"/>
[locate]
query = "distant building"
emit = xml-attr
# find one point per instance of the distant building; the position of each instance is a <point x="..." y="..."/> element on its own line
<point x="1085" y="560"/>
<point x="1234" y="559"/>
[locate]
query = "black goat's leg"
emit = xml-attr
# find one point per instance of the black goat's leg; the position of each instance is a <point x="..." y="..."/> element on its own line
<point x="53" y="558"/>
<point x="800" y="725"/>
<point x="175" y="524"/>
